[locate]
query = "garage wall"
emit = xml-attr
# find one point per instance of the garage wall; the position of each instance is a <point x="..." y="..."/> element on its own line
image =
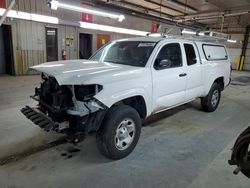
<point x="29" y="44"/>
<point x="234" y="49"/>
<point x="234" y="54"/>
<point x="247" y="57"/>
<point x="72" y="50"/>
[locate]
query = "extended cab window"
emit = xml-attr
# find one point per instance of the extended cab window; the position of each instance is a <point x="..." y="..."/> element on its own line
<point x="169" y="57"/>
<point x="190" y="54"/>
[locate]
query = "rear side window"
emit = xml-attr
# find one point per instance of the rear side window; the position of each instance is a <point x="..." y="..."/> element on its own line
<point x="214" y="52"/>
<point x="190" y="54"/>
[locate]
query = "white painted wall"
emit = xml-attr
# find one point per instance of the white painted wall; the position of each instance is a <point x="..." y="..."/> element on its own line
<point x="234" y="49"/>
<point x="234" y="53"/>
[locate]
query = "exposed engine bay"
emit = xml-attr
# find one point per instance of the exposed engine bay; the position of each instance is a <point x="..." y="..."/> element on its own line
<point x="66" y="108"/>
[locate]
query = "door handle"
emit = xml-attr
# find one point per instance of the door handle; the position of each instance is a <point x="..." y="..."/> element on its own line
<point x="182" y="74"/>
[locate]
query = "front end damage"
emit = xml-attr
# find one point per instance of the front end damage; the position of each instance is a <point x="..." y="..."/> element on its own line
<point x="69" y="109"/>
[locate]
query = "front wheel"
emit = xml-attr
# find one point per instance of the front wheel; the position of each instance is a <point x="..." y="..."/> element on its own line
<point x="120" y="132"/>
<point x="212" y="100"/>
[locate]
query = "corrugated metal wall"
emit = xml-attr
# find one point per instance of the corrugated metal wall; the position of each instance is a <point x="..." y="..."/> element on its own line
<point x="28" y="44"/>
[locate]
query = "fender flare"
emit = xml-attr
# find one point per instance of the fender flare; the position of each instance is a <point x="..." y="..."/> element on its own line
<point x="124" y="94"/>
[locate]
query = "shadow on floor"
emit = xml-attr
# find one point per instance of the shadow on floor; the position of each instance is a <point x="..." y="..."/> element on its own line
<point x="168" y="113"/>
<point x="91" y="154"/>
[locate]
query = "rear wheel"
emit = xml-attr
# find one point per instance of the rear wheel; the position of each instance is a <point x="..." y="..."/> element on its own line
<point x="120" y="132"/>
<point x="212" y="100"/>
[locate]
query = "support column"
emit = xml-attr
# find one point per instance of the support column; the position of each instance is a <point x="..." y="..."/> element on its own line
<point x="241" y="59"/>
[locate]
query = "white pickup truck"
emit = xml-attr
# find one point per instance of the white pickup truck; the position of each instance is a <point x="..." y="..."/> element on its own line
<point x="124" y="82"/>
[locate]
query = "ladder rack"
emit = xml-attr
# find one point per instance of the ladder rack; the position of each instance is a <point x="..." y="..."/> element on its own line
<point x="205" y="36"/>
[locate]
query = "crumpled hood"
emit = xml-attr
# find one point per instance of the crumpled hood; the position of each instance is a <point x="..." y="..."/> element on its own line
<point x="78" y="72"/>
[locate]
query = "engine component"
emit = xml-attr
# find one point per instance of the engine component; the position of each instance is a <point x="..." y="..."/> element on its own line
<point x="86" y="92"/>
<point x="54" y="100"/>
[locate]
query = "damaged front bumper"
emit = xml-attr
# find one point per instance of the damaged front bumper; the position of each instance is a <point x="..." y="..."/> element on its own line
<point x="67" y="109"/>
<point x="73" y="125"/>
<point x="83" y="117"/>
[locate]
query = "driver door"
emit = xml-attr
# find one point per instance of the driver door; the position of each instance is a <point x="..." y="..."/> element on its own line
<point x="169" y="77"/>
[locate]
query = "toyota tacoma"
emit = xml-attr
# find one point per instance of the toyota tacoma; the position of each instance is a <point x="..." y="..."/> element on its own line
<point x="125" y="82"/>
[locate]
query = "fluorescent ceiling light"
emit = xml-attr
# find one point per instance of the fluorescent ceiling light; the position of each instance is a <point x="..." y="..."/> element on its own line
<point x="29" y="16"/>
<point x="2" y="11"/>
<point x="185" y="31"/>
<point x="56" y="4"/>
<point x="232" y="41"/>
<point x="155" y="35"/>
<point x="99" y="27"/>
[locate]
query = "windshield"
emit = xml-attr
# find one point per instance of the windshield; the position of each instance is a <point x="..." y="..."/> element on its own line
<point x="134" y="53"/>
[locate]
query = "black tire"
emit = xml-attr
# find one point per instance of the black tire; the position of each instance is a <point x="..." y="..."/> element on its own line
<point x="207" y="103"/>
<point x="106" y="136"/>
<point x="241" y="152"/>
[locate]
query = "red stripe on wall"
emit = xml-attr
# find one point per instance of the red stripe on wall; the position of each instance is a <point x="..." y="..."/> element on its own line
<point x="2" y="3"/>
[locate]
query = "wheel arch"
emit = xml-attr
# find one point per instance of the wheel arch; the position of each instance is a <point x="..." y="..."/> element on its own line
<point x="137" y="102"/>
<point x="139" y="96"/>
<point x="220" y="81"/>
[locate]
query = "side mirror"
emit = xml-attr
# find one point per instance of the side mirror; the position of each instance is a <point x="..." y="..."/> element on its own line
<point x="164" y="63"/>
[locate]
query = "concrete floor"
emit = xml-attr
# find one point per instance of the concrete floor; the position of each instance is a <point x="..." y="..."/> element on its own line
<point x="184" y="147"/>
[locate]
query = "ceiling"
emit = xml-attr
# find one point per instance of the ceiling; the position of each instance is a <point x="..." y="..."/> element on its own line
<point x="229" y="16"/>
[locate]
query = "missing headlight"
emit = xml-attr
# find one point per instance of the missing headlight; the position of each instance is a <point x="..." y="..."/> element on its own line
<point x="86" y="92"/>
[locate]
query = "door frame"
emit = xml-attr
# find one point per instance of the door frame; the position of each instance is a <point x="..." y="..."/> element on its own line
<point x="97" y="37"/>
<point x="10" y="65"/>
<point x="46" y="28"/>
<point x="91" y="42"/>
<point x="181" y="70"/>
<point x="192" y="71"/>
